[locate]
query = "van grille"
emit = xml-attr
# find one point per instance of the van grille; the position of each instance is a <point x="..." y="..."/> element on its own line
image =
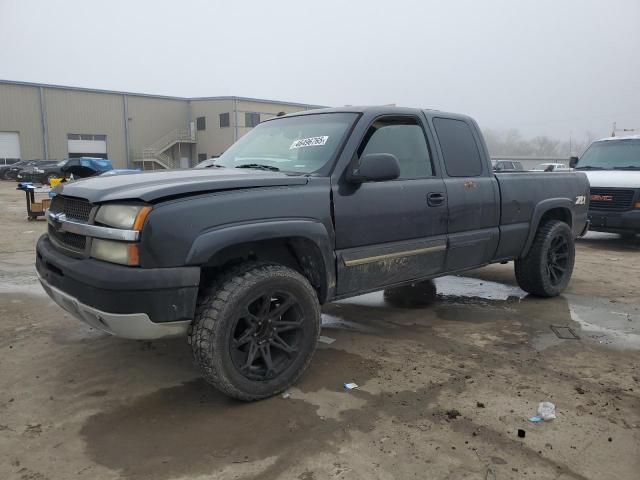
<point x="611" y="199"/>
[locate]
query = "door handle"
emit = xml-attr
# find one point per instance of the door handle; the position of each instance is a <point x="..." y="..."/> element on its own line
<point x="435" y="199"/>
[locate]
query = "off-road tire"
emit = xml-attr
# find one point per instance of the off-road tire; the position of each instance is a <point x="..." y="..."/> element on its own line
<point x="531" y="271"/>
<point x="217" y="310"/>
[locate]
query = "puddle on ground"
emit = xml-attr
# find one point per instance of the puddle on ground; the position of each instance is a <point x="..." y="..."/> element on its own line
<point x="181" y="430"/>
<point x="466" y="299"/>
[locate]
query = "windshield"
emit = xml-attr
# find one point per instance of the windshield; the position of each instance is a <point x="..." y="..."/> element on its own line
<point x="612" y="154"/>
<point x="302" y="144"/>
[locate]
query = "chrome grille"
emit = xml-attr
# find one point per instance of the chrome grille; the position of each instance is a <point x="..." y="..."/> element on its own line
<point x="611" y="199"/>
<point x="76" y="209"/>
<point x="73" y="208"/>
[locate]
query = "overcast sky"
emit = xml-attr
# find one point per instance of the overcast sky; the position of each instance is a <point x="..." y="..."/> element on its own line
<point x="541" y="66"/>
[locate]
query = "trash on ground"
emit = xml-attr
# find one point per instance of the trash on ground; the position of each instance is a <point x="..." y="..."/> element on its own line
<point x="565" y="333"/>
<point x="480" y="404"/>
<point x="327" y="340"/>
<point x="286" y="395"/>
<point x="521" y="433"/>
<point x="491" y="474"/>
<point x="350" y="386"/>
<point x="535" y="419"/>
<point x="546" y="411"/>
<point x="453" y="414"/>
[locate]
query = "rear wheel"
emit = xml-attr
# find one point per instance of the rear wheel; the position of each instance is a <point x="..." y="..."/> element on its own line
<point x="255" y="330"/>
<point x="547" y="268"/>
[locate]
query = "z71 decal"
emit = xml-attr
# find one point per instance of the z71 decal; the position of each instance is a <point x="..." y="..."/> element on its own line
<point x="581" y="200"/>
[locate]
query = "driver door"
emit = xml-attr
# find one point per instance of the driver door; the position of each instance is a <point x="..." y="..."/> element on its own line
<point x="392" y="231"/>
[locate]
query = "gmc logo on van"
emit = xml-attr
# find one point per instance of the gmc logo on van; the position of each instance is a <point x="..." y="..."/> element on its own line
<point x="601" y="198"/>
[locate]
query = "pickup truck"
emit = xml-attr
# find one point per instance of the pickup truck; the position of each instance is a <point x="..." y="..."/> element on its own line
<point x="612" y="166"/>
<point x="239" y="253"/>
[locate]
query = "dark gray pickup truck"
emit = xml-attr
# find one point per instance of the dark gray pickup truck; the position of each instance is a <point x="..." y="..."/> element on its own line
<point x="239" y="253"/>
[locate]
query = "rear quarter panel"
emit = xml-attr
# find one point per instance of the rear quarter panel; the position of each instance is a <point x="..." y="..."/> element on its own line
<point x="524" y="199"/>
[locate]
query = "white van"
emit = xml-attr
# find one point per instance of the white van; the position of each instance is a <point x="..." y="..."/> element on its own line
<point x="613" y="168"/>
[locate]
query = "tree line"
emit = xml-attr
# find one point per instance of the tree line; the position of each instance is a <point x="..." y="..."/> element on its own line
<point x="511" y="142"/>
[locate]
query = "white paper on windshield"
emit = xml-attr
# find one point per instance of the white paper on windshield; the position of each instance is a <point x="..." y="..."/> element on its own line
<point x="309" y="142"/>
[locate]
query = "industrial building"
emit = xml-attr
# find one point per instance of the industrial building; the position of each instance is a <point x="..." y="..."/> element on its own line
<point x="134" y="130"/>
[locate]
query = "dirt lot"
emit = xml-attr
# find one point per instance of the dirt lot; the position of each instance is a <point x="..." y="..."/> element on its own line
<point x="443" y="390"/>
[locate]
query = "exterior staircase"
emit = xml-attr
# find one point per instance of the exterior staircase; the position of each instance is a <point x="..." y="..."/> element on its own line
<point x="157" y="156"/>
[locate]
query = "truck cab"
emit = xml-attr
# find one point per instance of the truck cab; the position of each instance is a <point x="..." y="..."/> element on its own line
<point x="613" y="168"/>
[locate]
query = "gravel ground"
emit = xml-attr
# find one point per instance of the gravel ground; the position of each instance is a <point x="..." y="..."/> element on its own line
<point x="443" y="390"/>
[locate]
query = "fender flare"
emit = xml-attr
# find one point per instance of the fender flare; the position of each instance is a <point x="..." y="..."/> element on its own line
<point x="541" y="208"/>
<point x="212" y="241"/>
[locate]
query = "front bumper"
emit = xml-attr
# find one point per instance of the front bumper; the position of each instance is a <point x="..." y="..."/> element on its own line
<point x="136" y="326"/>
<point x="615" y="222"/>
<point x="124" y="301"/>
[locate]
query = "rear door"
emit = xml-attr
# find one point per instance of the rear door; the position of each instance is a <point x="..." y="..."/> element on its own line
<point x="472" y="194"/>
<point x="391" y="231"/>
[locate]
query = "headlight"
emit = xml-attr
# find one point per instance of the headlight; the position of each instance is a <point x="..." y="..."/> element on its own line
<point x="128" y="217"/>
<point x="115" y="252"/>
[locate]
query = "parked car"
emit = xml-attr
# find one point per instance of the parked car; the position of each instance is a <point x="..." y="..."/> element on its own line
<point x="507" y="166"/>
<point x="304" y="209"/>
<point x="613" y="168"/>
<point x="37" y="172"/>
<point x="551" y="167"/>
<point x="11" y="171"/>
<point x="6" y="164"/>
<point x="78" y="167"/>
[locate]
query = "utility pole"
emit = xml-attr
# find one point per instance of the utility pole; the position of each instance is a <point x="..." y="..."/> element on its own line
<point x="624" y="130"/>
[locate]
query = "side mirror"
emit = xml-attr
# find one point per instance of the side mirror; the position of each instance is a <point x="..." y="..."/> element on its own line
<point x="376" y="167"/>
<point x="573" y="161"/>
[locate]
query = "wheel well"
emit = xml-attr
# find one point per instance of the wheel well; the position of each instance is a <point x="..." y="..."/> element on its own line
<point x="298" y="253"/>
<point x="560" y="213"/>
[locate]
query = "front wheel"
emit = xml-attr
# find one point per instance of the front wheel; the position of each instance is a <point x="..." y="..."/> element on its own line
<point x="255" y="330"/>
<point x="547" y="268"/>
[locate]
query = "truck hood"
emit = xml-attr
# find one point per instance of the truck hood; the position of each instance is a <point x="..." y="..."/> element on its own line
<point x="613" y="178"/>
<point x="150" y="186"/>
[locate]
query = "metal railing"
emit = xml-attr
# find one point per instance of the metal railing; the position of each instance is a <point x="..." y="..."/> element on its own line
<point x="157" y="151"/>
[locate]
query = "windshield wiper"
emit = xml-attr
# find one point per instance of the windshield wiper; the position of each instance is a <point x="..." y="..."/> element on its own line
<point x="589" y="167"/>
<point x="259" y="166"/>
<point x="214" y="165"/>
<point x="628" y="167"/>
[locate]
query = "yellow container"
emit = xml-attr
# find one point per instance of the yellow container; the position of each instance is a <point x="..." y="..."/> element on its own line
<point x="54" y="182"/>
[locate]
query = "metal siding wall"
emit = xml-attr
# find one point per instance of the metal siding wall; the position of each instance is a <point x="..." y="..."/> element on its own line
<point x="214" y="140"/>
<point x="152" y="118"/>
<point x="20" y="112"/>
<point x="71" y="111"/>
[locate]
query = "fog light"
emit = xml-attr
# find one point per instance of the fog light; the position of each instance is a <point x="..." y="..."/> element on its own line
<point x="115" y="252"/>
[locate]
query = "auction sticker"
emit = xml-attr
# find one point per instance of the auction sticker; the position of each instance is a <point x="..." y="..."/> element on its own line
<point x="309" y="142"/>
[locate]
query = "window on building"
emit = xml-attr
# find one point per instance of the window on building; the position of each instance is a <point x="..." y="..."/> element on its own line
<point x="224" y="120"/>
<point x="202" y="157"/>
<point x="402" y="137"/>
<point x="459" y="148"/>
<point x="251" y="119"/>
<point x="86" y="136"/>
<point x="201" y="123"/>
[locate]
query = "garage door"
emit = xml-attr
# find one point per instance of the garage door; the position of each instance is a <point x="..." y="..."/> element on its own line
<point x="87" y="145"/>
<point x="9" y="145"/>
